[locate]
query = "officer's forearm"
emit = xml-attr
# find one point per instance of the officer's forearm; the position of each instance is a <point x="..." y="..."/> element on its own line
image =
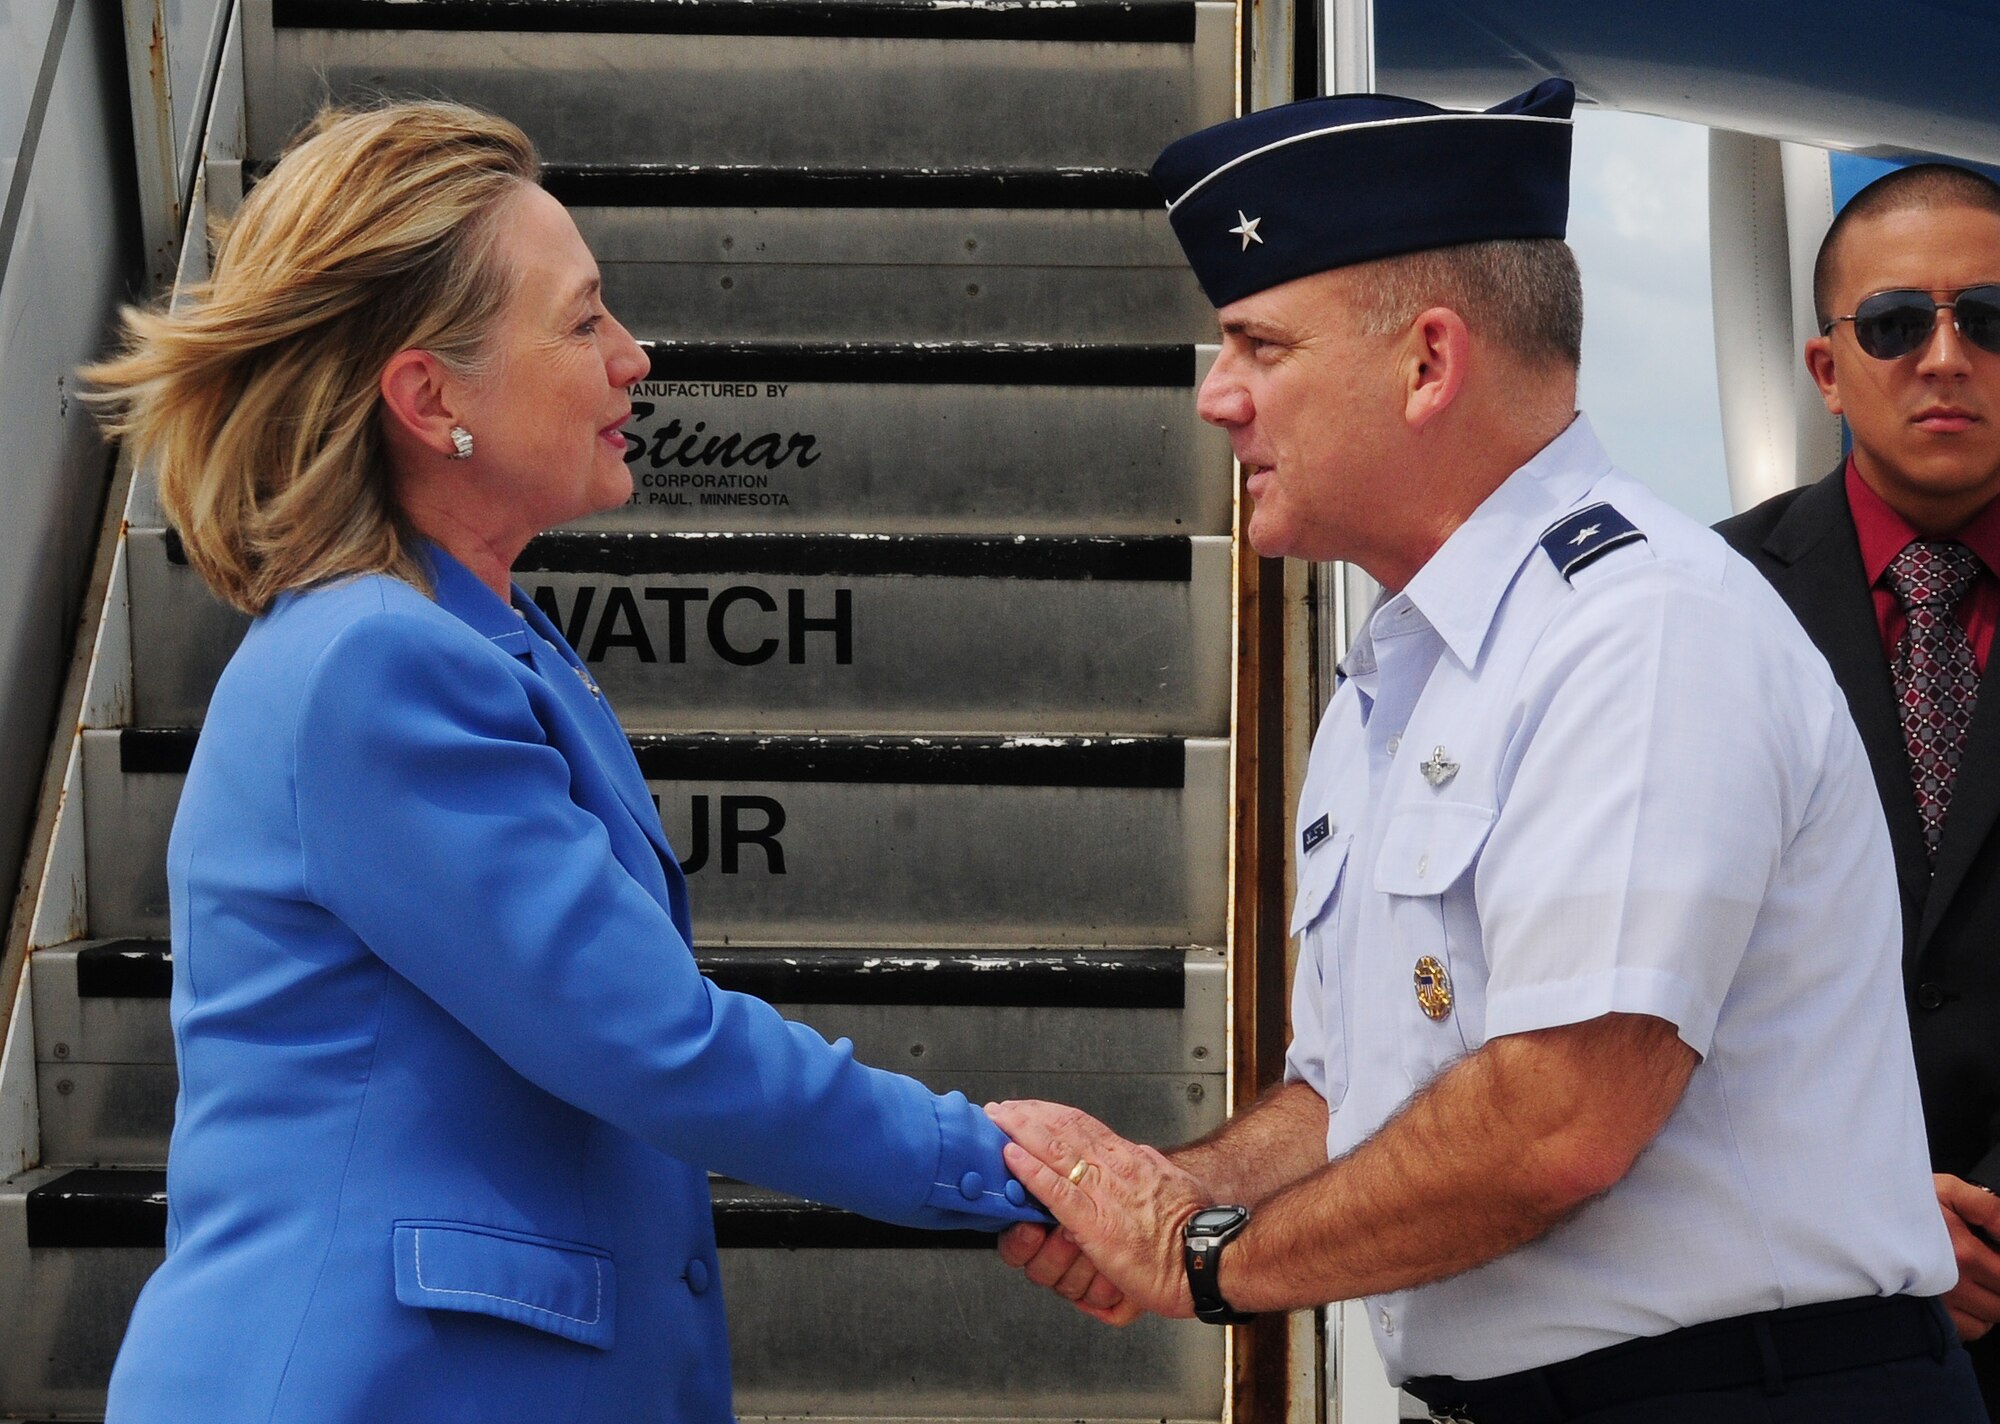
<point x="1491" y="1155"/>
<point x="1269" y="1145"/>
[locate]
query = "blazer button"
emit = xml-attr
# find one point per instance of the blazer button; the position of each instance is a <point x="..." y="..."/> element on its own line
<point x="1930" y="996"/>
<point x="1017" y="1195"/>
<point x="697" y="1276"/>
<point x="970" y="1185"/>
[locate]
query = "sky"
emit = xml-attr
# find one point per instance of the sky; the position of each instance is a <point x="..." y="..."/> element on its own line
<point x="1639" y="225"/>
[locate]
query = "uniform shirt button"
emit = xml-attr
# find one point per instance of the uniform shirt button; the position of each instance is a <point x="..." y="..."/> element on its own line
<point x="970" y="1185"/>
<point x="1930" y="996"/>
<point x="1017" y="1195"/>
<point x="697" y="1275"/>
<point x="1395" y="745"/>
<point x="1423" y="865"/>
<point x="1388" y="1321"/>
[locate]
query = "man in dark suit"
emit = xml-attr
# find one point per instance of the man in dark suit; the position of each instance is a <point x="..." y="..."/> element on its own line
<point x="1890" y="564"/>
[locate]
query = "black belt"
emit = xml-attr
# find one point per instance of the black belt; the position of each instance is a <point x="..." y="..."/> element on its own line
<point x="1766" y="1349"/>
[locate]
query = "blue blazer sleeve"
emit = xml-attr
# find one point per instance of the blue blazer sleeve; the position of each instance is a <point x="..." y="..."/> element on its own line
<point x="439" y="822"/>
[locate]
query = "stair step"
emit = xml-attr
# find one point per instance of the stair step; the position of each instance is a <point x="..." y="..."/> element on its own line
<point x="65" y="1307"/>
<point x="786" y="1266"/>
<point x="753" y="251"/>
<point x="1024" y="1023"/>
<point x="768" y="81"/>
<point x="834" y="839"/>
<point x="964" y="255"/>
<point x="908" y="437"/>
<point x="952" y="633"/>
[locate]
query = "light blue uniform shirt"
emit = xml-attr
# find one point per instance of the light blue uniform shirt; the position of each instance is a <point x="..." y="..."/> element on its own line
<point x="1646" y="797"/>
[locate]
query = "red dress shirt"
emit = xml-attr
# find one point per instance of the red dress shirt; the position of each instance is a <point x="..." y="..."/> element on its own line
<point x="1884" y="533"/>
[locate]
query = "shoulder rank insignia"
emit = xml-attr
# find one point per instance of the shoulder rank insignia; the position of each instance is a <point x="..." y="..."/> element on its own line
<point x="1583" y="537"/>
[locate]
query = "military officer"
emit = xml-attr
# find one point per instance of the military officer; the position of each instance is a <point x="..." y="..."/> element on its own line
<point x="1599" y="1091"/>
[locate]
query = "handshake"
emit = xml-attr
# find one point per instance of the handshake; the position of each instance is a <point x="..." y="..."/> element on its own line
<point x="1121" y="1208"/>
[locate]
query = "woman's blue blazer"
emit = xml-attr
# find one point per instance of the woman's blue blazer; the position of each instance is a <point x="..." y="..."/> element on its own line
<point x="450" y="1082"/>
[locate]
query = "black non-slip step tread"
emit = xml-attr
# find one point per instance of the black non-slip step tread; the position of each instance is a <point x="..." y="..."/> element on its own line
<point x="1109" y="21"/>
<point x="1027" y="978"/>
<point x="1138" y="763"/>
<point x="111" y="1207"/>
<point x="699" y="185"/>
<point x="779" y="186"/>
<point x="708" y="367"/>
<point x="1137" y="558"/>
<point x="1107" y="558"/>
<point x="125" y="969"/>
<point x="100" y="1207"/>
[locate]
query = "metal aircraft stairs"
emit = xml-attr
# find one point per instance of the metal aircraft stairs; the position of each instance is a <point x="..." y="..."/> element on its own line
<point x="920" y="618"/>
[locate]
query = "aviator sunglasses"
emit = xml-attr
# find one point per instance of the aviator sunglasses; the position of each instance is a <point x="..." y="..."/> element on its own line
<point x="1890" y="325"/>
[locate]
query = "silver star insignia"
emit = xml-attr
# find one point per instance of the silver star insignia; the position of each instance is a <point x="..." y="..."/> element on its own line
<point x="1246" y="228"/>
<point x="1584" y="534"/>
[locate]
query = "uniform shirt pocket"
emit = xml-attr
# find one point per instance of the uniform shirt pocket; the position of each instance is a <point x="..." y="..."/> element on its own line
<point x="562" y="1287"/>
<point x="1422" y="870"/>
<point x="1318" y="1055"/>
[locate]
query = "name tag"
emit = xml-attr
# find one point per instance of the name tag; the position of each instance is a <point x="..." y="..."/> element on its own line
<point x="1314" y="834"/>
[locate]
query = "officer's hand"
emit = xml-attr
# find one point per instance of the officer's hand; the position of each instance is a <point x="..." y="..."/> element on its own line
<point x="1050" y="1257"/>
<point x="1972" y="1215"/>
<point x="1125" y="1210"/>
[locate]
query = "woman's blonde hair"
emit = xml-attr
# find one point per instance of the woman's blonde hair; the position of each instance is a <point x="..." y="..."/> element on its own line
<point x="256" y="399"/>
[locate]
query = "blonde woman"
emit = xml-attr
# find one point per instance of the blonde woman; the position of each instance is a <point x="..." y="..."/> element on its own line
<point x="450" y="1082"/>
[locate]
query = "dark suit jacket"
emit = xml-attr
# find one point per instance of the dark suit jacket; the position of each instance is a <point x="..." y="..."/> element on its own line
<point x="1804" y="543"/>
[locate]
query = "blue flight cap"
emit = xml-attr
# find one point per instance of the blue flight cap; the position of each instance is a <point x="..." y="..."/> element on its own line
<point x="1324" y="183"/>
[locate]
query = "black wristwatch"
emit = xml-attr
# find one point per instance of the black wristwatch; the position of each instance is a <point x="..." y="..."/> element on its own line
<point x="1202" y="1240"/>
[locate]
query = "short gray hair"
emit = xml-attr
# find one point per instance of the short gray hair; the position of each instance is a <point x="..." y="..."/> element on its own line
<point x="1523" y="294"/>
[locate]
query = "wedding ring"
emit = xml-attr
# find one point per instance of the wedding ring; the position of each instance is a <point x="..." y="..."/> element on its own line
<point x="1076" y="1172"/>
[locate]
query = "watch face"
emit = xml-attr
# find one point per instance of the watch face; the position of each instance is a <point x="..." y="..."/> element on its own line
<point x="1211" y="1219"/>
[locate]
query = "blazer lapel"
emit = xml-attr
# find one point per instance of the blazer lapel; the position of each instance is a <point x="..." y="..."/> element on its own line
<point x="560" y="666"/>
<point x="1820" y="575"/>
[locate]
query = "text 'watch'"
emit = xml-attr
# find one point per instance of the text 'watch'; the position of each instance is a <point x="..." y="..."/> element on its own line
<point x="1202" y="1240"/>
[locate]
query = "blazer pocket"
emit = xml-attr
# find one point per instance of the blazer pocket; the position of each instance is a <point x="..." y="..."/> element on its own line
<point x="562" y="1287"/>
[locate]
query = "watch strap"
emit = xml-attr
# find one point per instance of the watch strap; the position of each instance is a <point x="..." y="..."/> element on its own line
<point x="1202" y="1255"/>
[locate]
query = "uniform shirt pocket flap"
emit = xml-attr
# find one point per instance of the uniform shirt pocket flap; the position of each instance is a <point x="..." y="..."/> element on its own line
<point x="1426" y="848"/>
<point x="562" y="1287"/>
<point x="1319" y="877"/>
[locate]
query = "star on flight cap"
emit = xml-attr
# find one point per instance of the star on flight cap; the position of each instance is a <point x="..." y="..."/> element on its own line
<point x="1323" y="183"/>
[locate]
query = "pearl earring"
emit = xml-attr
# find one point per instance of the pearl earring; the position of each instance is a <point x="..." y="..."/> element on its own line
<point x="461" y="443"/>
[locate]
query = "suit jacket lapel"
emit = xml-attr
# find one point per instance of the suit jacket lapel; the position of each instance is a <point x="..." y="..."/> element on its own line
<point x="1821" y="577"/>
<point x="1975" y="803"/>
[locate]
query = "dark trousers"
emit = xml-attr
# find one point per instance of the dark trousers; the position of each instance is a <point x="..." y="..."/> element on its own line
<point x="1985" y="1352"/>
<point x="1847" y="1362"/>
<point x="1919" y="1391"/>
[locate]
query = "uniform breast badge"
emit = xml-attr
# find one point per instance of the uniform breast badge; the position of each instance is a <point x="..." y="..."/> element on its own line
<point x="1439" y="768"/>
<point x="1433" y="988"/>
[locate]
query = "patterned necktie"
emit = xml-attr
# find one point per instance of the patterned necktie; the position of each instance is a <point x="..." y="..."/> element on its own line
<point x="1936" y="675"/>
